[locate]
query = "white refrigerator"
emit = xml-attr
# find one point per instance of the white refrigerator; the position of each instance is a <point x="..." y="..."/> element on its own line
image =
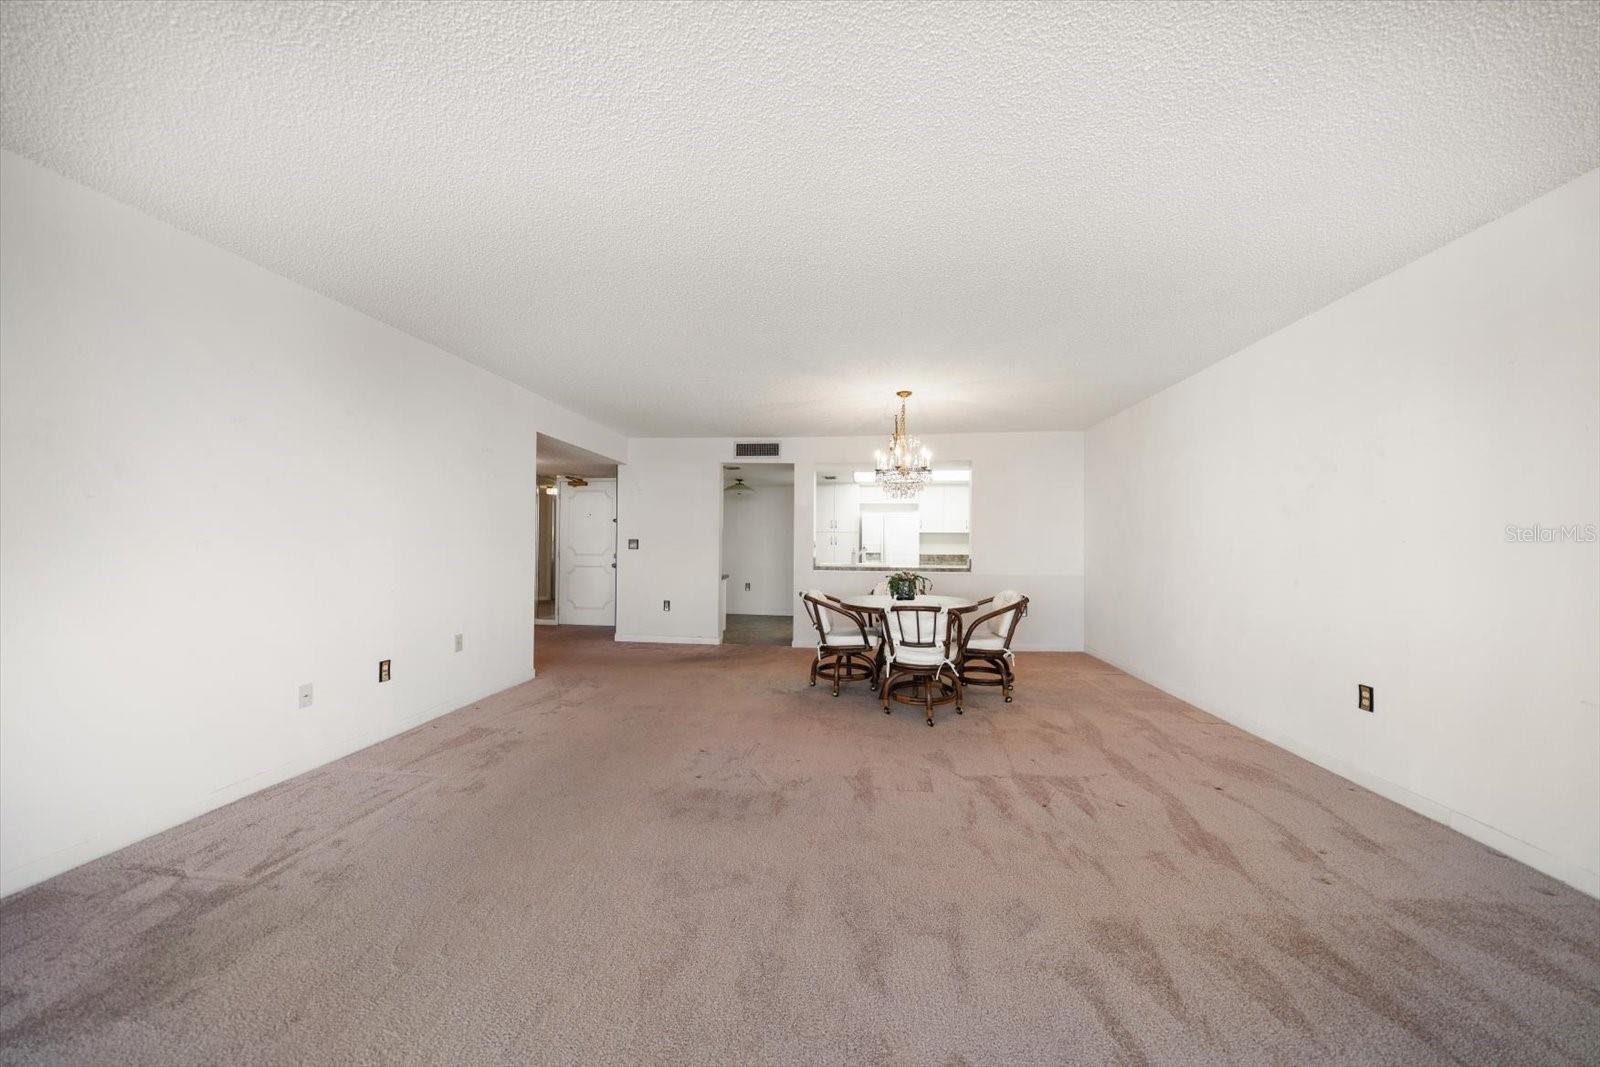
<point x="902" y="539"/>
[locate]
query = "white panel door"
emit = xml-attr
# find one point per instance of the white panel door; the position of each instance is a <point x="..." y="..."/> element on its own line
<point x="587" y="591"/>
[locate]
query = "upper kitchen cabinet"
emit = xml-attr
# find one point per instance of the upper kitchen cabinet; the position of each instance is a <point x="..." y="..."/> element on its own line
<point x="838" y="507"/>
<point x="958" y="508"/>
<point x="946" y="509"/>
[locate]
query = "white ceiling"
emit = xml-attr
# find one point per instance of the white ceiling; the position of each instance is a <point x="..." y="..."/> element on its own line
<point x="763" y="219"/>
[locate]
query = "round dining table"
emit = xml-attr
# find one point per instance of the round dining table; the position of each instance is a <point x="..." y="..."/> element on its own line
<point x="874" y="602"/>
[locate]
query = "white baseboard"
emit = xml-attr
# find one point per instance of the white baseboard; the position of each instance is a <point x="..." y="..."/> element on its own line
<point x="637" y="639"/>
<point x="1532" y="855"/>
<point x="1580" y="878"/>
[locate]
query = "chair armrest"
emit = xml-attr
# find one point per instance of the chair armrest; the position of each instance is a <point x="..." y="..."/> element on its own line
<point x="1019" y="606"/>
<point x="857" y="617"/>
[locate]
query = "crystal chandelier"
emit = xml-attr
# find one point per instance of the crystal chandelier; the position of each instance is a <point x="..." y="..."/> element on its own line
<point x="907" y="466"/>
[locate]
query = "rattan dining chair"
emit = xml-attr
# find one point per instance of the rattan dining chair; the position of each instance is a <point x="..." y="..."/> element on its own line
<point x="983" y="649"/>
<point x="847" y="650"/>
<point x="917" y="648"/>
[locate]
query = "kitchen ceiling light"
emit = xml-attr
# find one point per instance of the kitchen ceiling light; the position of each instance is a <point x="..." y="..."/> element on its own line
<point x="905" y="469"/>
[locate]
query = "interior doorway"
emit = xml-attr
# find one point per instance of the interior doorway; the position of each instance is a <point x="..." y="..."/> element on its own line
<point x="544" y="606"/>
<point x="576" y="581"/>
<point x="758" y="598"/>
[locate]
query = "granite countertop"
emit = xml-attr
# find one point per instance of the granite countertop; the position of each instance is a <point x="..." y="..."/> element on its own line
<point x="921" y="568"/>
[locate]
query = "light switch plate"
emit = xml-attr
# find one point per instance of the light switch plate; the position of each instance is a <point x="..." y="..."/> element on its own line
<point x="460" y="642"/>
<point x="305" y="695"/>
<point x="383" y="670"/>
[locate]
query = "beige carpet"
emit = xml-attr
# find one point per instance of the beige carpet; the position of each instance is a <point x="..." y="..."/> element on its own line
<point x="686" y="855"/>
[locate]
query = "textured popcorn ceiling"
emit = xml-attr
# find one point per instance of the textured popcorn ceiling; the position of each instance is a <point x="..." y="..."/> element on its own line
<point x="754" y="219"/>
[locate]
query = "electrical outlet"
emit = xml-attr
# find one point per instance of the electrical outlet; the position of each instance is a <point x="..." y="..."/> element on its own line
<point x="383" y="670"/>
<point x="666" y="605"/>
<point x="1364" y="697"/>
<point x="305" y="695"/>
<point x="746" y="587"/>
<point x="460" y="641"/>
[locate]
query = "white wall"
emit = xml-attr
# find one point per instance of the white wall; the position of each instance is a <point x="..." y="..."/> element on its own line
<point x="216" y="486"/>
<point x="1027" y="529"/>
<point x="669" y="499"/>
<point x="758" y="547"/>
<point x="1328" y="507"/>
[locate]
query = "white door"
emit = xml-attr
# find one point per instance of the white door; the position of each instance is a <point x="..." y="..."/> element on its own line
<point x="587" y="590"/>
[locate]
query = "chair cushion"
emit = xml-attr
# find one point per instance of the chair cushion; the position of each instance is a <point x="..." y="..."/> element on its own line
<point x="850" y="640"/>
<point x="1000" y="623"/>
<point x="987" y="643"/>
<point x="919" y="657"/>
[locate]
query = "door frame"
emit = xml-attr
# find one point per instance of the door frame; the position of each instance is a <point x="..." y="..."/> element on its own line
<point x="555" y="557"/>
<point x="562" y="489"/>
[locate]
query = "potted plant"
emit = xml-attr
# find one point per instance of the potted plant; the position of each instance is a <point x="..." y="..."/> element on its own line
<point x="907" y="585"/>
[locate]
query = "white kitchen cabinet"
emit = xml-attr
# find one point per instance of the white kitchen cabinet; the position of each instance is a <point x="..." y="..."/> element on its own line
<point x="847" y="508"/>
<point x="838" y="508"/>
<point x="824" y="509"/>
<point x="835" y="549"/>
<point x="958" y="508"/>
<point x="930" y="508"/>
<point x="945" y="508"/>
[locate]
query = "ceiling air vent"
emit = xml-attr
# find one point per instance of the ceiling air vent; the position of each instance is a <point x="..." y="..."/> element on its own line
<point x="755" y="448"/>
